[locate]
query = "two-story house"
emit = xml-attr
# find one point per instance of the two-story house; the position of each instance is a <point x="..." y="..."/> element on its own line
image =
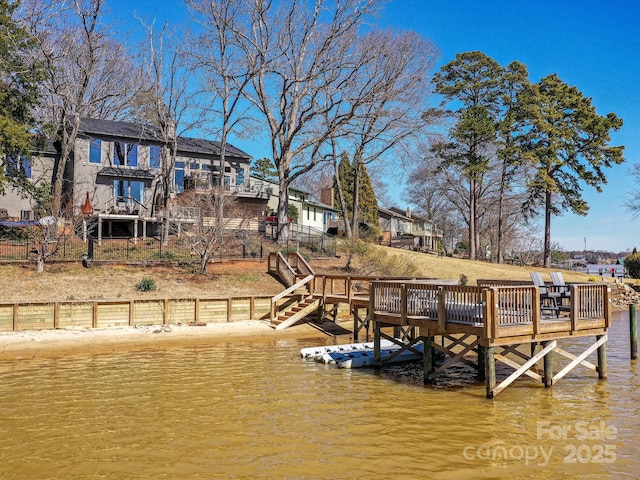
<point x="312" y="217"/>
<point x="396" y="223"/>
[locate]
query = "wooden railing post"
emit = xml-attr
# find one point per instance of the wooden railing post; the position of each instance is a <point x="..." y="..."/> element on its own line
<point x="403" y="303"/>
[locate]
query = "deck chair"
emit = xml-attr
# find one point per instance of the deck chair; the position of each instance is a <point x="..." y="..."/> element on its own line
<point x="558" y="282"/>
<point x="548" y="298"/>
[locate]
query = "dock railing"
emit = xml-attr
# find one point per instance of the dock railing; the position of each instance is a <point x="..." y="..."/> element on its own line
<point x="493" y="313"/>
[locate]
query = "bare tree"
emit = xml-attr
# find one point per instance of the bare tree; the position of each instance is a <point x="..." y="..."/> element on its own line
<point x="397" y="66"/>
<point x="87" y="72"/>
<point x="205" y="234"/>
<point x="169" y="101"/>
<point x="224" y="73"/>
<point x="302" y="60"/>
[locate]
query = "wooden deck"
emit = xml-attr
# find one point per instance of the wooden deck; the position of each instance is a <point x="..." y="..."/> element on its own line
<point x="499" y="315"/>
<point x="493" y="322"/>
<point x="490" y="322"/>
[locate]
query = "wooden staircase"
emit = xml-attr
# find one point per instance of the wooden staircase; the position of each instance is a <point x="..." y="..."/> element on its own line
<point x="290" y="271"/>
<point x="295" y="313"/>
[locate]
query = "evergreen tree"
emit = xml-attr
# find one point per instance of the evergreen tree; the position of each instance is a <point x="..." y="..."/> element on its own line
<point x="472" y="82"/>
<point x="345" y="177"/>
<point x="568" y="144"/>
<point x="19" y="76"/>
<point x="264" y="168"/>
<point x="367" y="203"/>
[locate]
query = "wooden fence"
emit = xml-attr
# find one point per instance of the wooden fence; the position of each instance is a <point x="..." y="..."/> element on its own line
<point x="102" y="314"/>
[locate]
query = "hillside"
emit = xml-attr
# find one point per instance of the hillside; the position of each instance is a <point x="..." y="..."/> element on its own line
<point x="69" y="281"/>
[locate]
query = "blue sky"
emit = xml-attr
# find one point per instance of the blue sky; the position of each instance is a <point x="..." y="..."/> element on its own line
<point x="594" y="45"/>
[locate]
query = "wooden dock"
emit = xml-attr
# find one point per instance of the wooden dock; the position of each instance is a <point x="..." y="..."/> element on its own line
<point x="496" y="321"/>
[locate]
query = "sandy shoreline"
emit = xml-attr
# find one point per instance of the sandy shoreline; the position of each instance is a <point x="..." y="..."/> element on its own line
<point x="30" y="344"/>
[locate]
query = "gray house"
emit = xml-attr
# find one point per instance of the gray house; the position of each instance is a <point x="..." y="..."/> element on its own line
<point x="113" y="176"/>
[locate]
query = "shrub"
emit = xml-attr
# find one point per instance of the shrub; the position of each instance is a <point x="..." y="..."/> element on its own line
<point x="632" y="265"/>
<point x="146" y="285"/>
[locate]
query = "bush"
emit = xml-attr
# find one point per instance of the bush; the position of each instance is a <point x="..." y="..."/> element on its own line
<point x="632" y="265"/>
<point x="146" y="285"/>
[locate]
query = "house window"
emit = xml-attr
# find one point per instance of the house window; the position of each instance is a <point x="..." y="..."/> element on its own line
<point x="95" y="150"/>
<point x="239" y="176"/>
<point x="125" y="154"/>
<point x="13" y="167"/>
<point x="179" y="176"/>
<point x="155" y="156"/>
<point x="125" y="189"/>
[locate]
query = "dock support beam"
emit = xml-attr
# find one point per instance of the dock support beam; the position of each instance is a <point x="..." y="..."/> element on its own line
<point x="602" y="358"/>
<point x="427" y="358"/>
<point x="481" y="363"/>
<point x="547" y="377"/>
<point x="633" y="331"/>
<point x="376" y="344"/>
<point x="490" y="370"/>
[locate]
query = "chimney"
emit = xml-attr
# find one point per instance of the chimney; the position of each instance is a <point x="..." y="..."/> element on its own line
<point x="326" y="196"/>
<point x="408" y="212"/>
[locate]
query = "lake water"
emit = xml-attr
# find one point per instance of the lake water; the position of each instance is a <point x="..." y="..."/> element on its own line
<point x="257" y="410"/>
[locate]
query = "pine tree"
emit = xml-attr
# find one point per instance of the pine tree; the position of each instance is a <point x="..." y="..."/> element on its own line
<point x="367" y="203"/>
<point x="264" y="168"/>
<point x="19" y="76"/>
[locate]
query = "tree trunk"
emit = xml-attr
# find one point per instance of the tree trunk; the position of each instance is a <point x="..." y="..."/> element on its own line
<point x="283" y="203"/>
<point x="355" y="220"/>
<point x="472" y="219"/>
<point x="547" y="230"/>
<point x="343" y="207"/>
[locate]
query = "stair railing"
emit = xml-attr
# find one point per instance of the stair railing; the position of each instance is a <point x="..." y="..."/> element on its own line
<point x="274" y="301"/>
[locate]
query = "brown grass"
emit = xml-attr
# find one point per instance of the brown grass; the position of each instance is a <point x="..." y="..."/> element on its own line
<point x="70" y="281"/>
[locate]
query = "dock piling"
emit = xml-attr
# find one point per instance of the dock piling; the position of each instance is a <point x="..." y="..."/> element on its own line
<point x="547" y="378"/>
<point x="633" y="330"/>
<point x="602" y="358"/>
<point x="490" y="370"/>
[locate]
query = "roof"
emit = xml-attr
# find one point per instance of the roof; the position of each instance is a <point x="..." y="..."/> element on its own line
<point x="392" y="213"/>
<point x="403" y="213"/>
<point x="126" y="173"/>
<point x="324" y="206"/>
<point x="150" y="133"/>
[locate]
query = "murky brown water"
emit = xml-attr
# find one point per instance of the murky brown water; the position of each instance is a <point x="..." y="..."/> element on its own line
<point x="259" y="411"/>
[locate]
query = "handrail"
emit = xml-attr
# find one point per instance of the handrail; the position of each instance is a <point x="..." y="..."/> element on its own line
<point x="292" y="288"/>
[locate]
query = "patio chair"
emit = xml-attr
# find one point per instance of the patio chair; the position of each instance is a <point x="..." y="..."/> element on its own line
<point x="548" y="298"/>
<point x="558" y="282"/>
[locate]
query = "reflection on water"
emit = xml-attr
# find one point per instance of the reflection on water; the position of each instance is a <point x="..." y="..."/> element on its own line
<point x="259" y="411"/>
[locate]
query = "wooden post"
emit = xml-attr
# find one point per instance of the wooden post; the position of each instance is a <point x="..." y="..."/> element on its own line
<point x="602" y="359"/>
<point x="131" y="311"/>
<point x="547" y="377"/>
<point x="490" y="370"/>
<point x="94" y="318"/>
<point x="15" y="317"/>
<point x="252" y="307"/>
<point x="427" y="358"/>
<point x="356" y="322"/>
<point x="56" y="315"/>
<point x="165" y="312"/>
<point x="376" y="345"/>
<point x="481" y="363"/>
<point x="229" y="309"/>
<point x="633" y="331"/>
